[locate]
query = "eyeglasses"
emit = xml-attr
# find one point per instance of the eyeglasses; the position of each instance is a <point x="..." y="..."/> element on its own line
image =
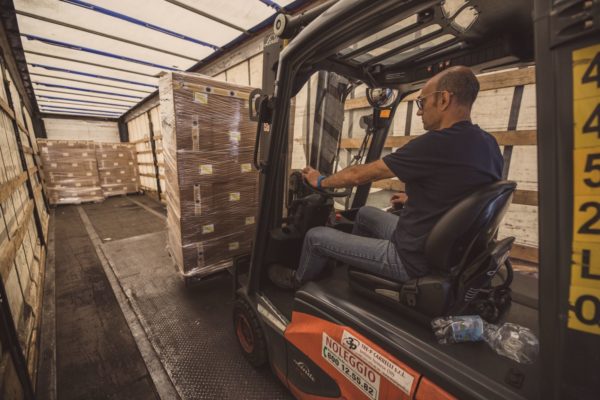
<point x="420" y="99"/>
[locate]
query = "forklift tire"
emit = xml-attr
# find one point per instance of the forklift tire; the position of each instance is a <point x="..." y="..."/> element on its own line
<point x="249" y="333"/>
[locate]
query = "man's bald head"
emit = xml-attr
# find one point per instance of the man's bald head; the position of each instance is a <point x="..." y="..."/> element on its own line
<point x="461" y="81"/>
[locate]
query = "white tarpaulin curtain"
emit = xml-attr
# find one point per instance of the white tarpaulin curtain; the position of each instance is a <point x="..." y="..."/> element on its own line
<point x="102" y="57"/>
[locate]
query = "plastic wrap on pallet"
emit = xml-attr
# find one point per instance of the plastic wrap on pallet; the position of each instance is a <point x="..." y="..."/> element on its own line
<point x="70" y="171"/>
<point x="211" y="186"/>
<point x="117" y="168"/>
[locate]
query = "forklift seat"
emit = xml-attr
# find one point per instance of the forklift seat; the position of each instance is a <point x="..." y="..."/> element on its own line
<point x="463" y="256"/>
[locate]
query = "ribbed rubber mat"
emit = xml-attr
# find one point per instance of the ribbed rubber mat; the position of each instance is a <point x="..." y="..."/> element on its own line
<point x="190" y="329"/>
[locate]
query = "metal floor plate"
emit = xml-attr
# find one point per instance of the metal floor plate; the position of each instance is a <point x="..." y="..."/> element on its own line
<point x="118" y="218"/>
<point x="190" y="329"/>
<point x="96" y="354"/>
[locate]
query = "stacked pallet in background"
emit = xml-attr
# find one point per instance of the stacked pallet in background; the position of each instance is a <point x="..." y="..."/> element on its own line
<point x="210" y="184"/>
<point x="23" y="238"/>
<point x="70" y="171"/>
<point x="117" y="168"/>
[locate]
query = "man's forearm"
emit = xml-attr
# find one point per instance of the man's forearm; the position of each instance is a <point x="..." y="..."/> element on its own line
<point x="356" y="175"/>
<point x="345" y="178"/>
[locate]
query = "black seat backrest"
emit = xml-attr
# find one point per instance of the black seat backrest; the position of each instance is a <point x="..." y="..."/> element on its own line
<point x="468" y="227"/>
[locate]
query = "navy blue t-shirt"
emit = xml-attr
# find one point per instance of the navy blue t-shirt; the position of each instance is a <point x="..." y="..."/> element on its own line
<point x="439" y="169"/>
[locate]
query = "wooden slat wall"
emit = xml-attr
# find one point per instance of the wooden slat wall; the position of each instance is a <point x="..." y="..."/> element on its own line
<point x="22" y="240"/>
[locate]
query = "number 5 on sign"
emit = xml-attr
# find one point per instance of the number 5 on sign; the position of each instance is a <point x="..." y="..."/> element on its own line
<point x="586" y="171"/>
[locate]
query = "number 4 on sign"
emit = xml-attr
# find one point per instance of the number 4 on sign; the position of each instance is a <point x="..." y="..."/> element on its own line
<point x="592" y="72"/>
<point x="592" y="124"/>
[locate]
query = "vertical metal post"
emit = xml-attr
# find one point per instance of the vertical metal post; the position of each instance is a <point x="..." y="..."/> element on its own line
<point x="513" y="119"/>
<point x="154" y="157"/>
<point x="123" y="132"/>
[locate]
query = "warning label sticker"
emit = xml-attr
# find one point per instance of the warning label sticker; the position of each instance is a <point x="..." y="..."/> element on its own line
<point x="352" y="367"/>
<point x="206" y="169"/>
<point x="378" y="362"/>
<point x="246" y="168"/>
<point x="201" y="98"/>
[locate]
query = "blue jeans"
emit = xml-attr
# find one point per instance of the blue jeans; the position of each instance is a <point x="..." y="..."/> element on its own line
<point x="368" y="247"/>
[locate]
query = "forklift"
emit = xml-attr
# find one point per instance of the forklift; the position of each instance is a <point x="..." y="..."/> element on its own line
<point x="354" y="335"/>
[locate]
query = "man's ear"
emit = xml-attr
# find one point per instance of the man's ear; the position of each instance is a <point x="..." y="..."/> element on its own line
<point x="445" y="99"/>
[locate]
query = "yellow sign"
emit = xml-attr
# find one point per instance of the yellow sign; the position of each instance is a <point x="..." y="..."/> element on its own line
<point x="584" y="292"/>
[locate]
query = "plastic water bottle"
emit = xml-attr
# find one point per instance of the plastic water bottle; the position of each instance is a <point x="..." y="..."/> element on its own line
<point x="513" y="341"/>
<point x="509" y="340"/>
<point x="463" y="328"/>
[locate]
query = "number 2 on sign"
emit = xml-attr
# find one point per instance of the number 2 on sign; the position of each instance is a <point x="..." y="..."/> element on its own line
<point x="586" y="219"/>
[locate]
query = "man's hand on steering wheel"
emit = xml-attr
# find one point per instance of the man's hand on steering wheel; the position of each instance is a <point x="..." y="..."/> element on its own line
<point x="311" y="176"/>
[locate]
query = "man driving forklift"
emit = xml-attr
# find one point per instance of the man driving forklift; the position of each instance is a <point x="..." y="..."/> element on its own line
<point x="439" y="168"/>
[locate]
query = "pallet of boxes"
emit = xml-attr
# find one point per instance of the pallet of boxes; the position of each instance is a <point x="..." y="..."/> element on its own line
<point x="211" y="186"/>
<point x="70" y="171"/>
<point x="117" y="168"/>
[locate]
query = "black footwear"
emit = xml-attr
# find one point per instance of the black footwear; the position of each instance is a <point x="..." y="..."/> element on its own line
<point x="283" y="277"/>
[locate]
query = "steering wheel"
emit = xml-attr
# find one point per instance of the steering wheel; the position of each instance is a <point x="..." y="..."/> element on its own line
<point x="326" y="191"/>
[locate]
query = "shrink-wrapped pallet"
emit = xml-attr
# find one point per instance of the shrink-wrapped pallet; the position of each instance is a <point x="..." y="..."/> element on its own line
<point x="70" y="171"/>
<point x="117" y="168"/>
<point x="211" y="186"/>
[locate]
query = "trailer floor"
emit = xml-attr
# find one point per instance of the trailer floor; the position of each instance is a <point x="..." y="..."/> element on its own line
<point x="144" y="335"/>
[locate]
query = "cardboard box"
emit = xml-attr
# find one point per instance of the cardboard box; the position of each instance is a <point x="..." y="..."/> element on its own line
<point x="117" y="168"/>
<point x="211" y="185"/>
<point x="70" y="171"/>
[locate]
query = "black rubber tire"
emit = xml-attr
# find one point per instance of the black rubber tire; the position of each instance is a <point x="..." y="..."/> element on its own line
<point x="249" y="333"/>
